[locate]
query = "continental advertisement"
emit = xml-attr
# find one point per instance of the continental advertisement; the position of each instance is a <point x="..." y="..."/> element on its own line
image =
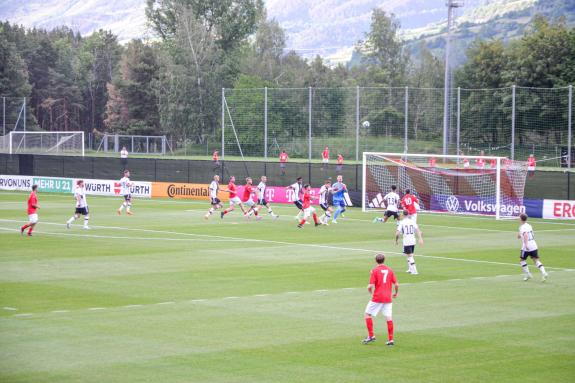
<point x="184" y="191"/>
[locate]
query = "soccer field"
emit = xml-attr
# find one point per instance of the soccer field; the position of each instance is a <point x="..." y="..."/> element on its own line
<point x="164" y="296"/>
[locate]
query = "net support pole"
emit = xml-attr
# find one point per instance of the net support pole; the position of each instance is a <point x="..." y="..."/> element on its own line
<point x="513" y="122"/>
<point x="309" y="123"/>
<point x="363" y="182"/>
<point x="357" y="123"/>
<point x="223" y="121"/>
<point x="569" y="126"/>
<point x="406" y="127"/>
<point x="10" y="142"/>
<point x="24" y="114"/>
<point x="458" y="135"/>
<point x="83" y="152"/>
<point x="266" y="122"/>
<point x="498" y="190"/>
<point x="3" y="116"/>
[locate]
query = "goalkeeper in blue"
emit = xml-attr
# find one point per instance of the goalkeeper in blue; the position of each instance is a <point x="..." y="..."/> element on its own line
<point x="338" y="190"/>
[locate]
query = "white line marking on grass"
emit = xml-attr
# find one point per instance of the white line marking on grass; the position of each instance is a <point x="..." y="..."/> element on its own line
<point x="372" y="251"/>
<point x="10" y="308"/>
<point x="4" y="229"/>
<point x="266" y="295"/>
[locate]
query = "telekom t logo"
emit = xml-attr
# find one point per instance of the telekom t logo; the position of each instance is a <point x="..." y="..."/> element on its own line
<point x="270" y="195"/>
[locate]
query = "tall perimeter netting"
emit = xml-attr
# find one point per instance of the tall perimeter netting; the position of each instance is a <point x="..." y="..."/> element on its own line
<point x="452" y="184"/>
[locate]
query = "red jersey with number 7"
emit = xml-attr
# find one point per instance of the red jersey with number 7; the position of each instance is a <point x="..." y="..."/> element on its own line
<point x="408" y="202"/>
<point x="383" y="278"/>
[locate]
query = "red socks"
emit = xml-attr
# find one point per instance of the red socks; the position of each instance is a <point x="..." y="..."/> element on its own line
<point x="24" y="227"/>
<point x="226" y="212"/>
<point x="302" y="222"/>
<point x="369" y="324"/>
<point x="390" y="329"/>
<point x="315" y="218"/>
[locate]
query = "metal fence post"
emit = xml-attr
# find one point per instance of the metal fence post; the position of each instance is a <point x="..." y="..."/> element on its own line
<point x="357" y="123"/>
<point x="458" y="135"/>
<point x="266" y="122"/>
<point x="406" y="111"/>
<point x="223" y="122"/>
<point x="513" y="122"/>
<point x="3" y="116"/>
<point x="309" y="122"/>
<point x="569" y="126"/>
<point x="24" y="113"/>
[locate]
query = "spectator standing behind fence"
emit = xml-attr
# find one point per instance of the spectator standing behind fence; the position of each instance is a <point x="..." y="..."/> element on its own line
<point x="216" y="159"/>
<point x="432" y="162"/>
<point x="283" y="161"/>
<point x="531" y="165"/>
<point x="325" y="155"/>
<point x="339" y="166"/>
<point x="480" y="162"/>
<point x="124" y="156"/>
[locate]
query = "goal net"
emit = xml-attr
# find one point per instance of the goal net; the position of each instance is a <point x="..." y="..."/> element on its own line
<point x="45" y="142"/>
<point x="482" y="185"/>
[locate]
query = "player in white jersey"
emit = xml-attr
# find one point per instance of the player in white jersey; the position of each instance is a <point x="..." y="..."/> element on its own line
<point x="125" y="190"/>
<point x="391" y="200"/>
<point x="261" y="194"/>
<point x="408" y="228"/>
<point x="215" y="202"/>
<point x="81" y="205"/>
<point x="297" y="190"/>
<point x="529" y="249"/>
<point x="324" y="203"/>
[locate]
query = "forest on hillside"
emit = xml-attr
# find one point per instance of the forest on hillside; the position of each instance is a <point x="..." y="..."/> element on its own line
<point x="173" y="84"/>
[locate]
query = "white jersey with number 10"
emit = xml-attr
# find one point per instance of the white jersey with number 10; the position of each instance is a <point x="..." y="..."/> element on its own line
<point x="408" y="228"/>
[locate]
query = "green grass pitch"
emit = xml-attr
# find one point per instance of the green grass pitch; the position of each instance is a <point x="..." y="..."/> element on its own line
<point x="164" y="296"/>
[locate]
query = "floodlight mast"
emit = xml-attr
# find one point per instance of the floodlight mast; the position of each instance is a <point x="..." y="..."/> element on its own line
<point x="451" y="5"/>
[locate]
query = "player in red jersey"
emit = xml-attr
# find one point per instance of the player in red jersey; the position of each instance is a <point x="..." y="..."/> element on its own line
<point x="432" y="162"/>
<point x="410" y="203"/>
<point x="307" y="208"/>
<point x="234" y="199"/>
<point x="249" y="190"/>
<point x="32" y="215"/>
<point x="381" y="279"/>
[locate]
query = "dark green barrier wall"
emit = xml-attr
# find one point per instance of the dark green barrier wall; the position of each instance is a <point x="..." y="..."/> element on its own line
<point x="543" y="184"/>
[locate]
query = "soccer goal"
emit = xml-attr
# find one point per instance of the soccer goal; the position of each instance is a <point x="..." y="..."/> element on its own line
<point x="492" y="186"/>
<point x="45" y="142"/>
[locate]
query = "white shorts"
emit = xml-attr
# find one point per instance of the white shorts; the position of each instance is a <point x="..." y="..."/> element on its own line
<point x="325" y="160"/>
<point x="308" y="211"/>
<point x="414" y="217"/>
<point x="235" y="201"/>
<point x="33" y="218"/>
<point x="374" y="308"/>
<point x="531" y="168"/>
<point x="249" y="203"/>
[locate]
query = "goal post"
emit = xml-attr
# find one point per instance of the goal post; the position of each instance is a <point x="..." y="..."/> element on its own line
<point x="46" y="142"/>
<point x="467" y="185"/>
